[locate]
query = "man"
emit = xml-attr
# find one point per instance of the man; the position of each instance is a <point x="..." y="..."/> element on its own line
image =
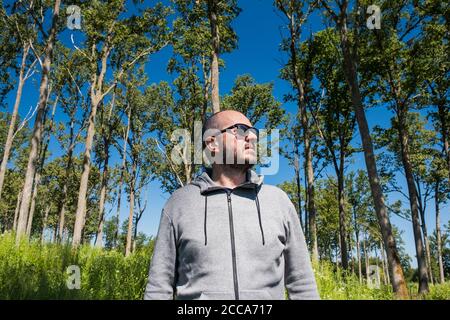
<point x="227" y="235"/>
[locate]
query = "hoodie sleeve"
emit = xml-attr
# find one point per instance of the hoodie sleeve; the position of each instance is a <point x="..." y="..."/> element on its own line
<point x="299" y="276"/>
<point x="161" y="279"/>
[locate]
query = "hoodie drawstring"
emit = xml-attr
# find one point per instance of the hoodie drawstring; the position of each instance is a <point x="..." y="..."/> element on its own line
<point x="259" y="217"/>
<point x="204" y="225"/>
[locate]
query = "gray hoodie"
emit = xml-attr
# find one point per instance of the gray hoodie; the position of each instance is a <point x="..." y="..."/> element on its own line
<point x="218" y="243"/>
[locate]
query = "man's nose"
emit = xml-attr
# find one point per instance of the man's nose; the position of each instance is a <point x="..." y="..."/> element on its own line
<point x="251" y="137"/>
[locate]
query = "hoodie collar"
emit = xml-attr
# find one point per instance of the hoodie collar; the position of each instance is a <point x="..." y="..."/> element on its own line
<point x="206" y="184"/>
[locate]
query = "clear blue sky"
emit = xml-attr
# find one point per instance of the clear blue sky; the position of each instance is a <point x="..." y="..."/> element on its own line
<point x="258" y="28"/>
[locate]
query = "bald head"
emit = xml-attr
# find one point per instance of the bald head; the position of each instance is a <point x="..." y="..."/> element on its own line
<point x="224" y="119"/>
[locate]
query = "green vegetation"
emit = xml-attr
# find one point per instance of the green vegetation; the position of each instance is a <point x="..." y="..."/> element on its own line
<point x="39" y="271"/>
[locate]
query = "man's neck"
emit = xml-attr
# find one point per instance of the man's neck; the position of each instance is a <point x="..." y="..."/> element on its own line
<point x="229" y="177"/>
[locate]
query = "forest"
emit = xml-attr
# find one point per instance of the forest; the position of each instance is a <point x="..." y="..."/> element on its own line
<point x="360" y="103"/>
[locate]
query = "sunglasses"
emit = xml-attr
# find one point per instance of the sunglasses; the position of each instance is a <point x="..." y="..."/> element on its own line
<point x="242" y="130"/>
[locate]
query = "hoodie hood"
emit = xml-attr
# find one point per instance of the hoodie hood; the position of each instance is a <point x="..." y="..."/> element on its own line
<point x="206" y="184"/>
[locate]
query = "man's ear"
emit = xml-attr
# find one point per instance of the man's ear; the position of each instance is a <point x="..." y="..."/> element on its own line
<point x="211" y="144"/>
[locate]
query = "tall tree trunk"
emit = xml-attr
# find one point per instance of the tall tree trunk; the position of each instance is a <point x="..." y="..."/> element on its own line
<point x="383" y="264"/>
<point x="366" y="257"/>
<point x="44" y="224"/>
<point x="438" y="233"/>
<point x="122" y="173"/>
<point x="37" y="179"/>
<point x="81" y="204"/>
<point x="351" y="73"/>
<point x="212" y="15"/>
<point x="427" y="245"/>
<point x="104" y="181"/>
<point x="16" y="212"/>
<point x="96" y="95"/>
<point x="299" y="191"/>
<point x="12" y="123"/>
<point x="131" y="213"/>
<point x="62" y="206"/>
<point x="38" y="127"/>
<point x="443" y="116"/>
<point x="413" y="201"/>
<point x="306" y="206"/>
<point x="342" y="219"/>
<point x="358" y="249"/>
<point x="299" y="84"/>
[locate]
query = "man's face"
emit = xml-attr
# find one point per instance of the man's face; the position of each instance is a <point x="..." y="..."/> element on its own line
<point x="237" y="146"/>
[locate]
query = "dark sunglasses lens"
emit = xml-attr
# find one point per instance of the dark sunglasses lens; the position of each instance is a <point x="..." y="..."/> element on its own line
<point x="245" y="130"/>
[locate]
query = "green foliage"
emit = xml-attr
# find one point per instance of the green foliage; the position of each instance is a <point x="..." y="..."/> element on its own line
<point x="39" y="271"/>
<point x="36" y="271"/>
<point x="337" y="285"/>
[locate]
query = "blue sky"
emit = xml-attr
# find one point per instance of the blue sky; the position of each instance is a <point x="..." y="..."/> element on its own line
<point x="258" y="54"/>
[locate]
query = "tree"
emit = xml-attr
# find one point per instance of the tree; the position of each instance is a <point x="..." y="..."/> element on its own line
<point x="201" y="34"/>
<point x="298" y="72"/>
<point x="133" y="38"/>
<point x="349" y="48"/>
<point x="139" y="169"/>
<point x="335" y="120"/>
<point x="17" y="41"/>
<point x="36" y="137"/>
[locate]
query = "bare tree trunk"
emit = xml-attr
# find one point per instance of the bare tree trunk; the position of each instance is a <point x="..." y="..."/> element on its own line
<point x="122" y="172"/>
<point x="212" y="14"/>
<point x="427" y="246"/>
<point x="104" y="181"/>
<point x="81" y="205"/>
<point x="297" y="180"/>
<point x="306" y="206"/>
<point x="395" y="268"/>
<point x="62" y="211"/>
<point x="12" y="123"/>
<point x="358" y="249"/>
<point x="309" y="171"/>
<point x="438" y="233"/>
<point x="96" y="95"/>
<point x="16" y="212"/>
<point x="412" y="192"/>
<point x="131" y="213"/>
<point x="443" y="116"/>
<point x="366" y="257"/>
<point x="37" y="179"/>
<point x="38" y="127"/>
<point x="342" y="219"/>
<point x="44" y="224"/>
<point x="206" y="85"/>
<point x="383" y="264"/>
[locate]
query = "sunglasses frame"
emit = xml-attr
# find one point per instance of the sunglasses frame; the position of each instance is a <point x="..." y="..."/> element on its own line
<point x="239" y="126"/>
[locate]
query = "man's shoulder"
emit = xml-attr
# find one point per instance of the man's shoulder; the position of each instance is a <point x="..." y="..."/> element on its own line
<point x="182" y="196"/>
<point x="273" y="191"/>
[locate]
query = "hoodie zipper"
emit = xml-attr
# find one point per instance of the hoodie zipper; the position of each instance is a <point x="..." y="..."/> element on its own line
<point x="233" y="247"/>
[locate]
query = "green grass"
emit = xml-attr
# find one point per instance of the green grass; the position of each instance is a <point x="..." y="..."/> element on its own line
<point x="35" y="271"/>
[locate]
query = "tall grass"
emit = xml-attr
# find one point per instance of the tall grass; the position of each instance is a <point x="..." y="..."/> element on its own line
<point x="338" y="285"/>
<point x="35" y="271"/>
